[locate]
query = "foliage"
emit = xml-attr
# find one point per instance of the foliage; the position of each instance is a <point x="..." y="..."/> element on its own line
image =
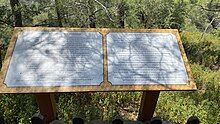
<point x="17" y="108"/>
<point x="204" y="103"/>
<point x="97" y="105"/>
<point x="204" y="51"/>
<point x="196" y="19"/>
<point x="167" y="13"/>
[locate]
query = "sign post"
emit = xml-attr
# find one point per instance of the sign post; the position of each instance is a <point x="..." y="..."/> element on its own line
<point x="47" y="106"/>
<point x="148" y="105"/>
<point x="52" y="60"/>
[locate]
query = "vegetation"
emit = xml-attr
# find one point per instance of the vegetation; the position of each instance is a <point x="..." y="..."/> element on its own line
<point x="197" y="20"/>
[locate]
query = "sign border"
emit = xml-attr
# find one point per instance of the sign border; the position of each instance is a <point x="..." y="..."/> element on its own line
<point x="105" y="85"/>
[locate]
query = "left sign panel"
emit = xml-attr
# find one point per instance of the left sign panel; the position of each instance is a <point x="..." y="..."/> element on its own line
<point x="56" y="58"/>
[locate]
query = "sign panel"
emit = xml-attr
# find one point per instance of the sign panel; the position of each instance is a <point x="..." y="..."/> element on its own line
<point x="144" y="58"/>
<point x="43" y="58"/>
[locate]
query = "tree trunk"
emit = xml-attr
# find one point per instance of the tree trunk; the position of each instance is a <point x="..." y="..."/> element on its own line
<point x="92" y="21"/>
<point x="58" y="11"/>
<point x="16" y="10"/>
<point x="142" y="19"/>
<point x="92" y="14"/>
<point x="121" y="14"/>
<point x="1" y="54"/>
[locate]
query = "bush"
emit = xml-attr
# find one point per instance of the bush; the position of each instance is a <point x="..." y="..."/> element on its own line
<point x="100" y="105"/>
<point x="204" y="103"/>
<point x="17" y="108"/>
<point x="205" y="51"/>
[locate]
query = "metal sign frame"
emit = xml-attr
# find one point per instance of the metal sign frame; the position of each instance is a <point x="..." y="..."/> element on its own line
<point x="105" y="85"/>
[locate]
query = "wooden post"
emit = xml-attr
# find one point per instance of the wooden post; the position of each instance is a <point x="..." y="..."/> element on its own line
<point x="148" y="105"/>
<point x="46" y="104"/>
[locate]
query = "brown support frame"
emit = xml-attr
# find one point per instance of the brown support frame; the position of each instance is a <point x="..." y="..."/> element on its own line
<point x="190" y="84"/>
<point x="148" y="105"/>
<point x="46" y="103"/>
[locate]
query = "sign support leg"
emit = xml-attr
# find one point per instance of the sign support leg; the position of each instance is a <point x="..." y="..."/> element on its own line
<point x="148" y="105"/>
<point x="46" y="103"/>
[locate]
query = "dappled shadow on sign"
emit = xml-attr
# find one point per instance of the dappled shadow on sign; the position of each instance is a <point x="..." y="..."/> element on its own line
<point x="43" y="58"/>
<point x="145" y="59"/>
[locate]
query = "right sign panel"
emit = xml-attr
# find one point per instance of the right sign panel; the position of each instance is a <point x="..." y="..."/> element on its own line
<point x="144" y="58"/>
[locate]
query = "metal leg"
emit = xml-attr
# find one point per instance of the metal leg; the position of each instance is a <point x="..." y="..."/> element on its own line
<point x="46" y="104"/>
<point x="148" y="105"/>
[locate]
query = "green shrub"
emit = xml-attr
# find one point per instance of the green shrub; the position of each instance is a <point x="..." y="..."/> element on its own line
<point x="17" y="108"/>
<point x="205" y="51"/>
<point x="204" y="103"/>
<point x="100" y="105"/>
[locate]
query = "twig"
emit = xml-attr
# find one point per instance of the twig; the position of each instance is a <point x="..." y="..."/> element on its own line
<point x="213" y="10"/>
<point x="107" y="12"/>
<point x="208" y="27"/>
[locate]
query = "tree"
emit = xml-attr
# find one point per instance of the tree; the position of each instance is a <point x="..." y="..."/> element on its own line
<point x="0" y="54"/>
<point x="58" y="11"/>
<point x="121" y="14"/>
<point x="92" y="12"/>
<point x="16" y="10"/>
